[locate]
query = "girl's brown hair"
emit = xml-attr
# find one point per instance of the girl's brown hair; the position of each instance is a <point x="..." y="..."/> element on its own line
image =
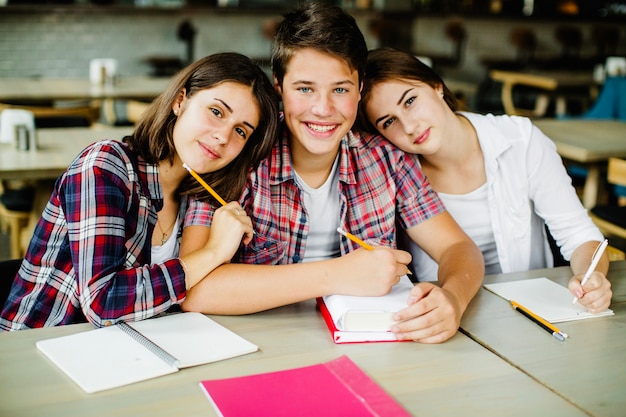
<point x="153" y="140"/>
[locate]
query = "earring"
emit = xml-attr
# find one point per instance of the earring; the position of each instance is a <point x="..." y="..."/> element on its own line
<point x="175" y="112"/>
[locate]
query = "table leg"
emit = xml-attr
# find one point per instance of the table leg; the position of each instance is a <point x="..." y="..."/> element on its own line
<point x="592" y="185"/>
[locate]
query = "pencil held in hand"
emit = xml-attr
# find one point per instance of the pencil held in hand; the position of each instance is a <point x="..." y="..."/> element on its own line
<point x="361" y="243"/>
<point x="355" y="239"/>
<point x="595" y="258"/>
<point x="205" y="185"/>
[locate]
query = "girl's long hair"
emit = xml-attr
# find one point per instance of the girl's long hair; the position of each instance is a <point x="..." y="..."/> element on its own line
<point x="153" y="139"/>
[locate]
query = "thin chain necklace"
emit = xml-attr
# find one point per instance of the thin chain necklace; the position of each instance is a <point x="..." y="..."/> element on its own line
<point x="165" y="234"/>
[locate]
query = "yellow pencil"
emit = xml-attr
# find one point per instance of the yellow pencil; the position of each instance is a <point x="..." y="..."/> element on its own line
<point x="361" y="243"/>
<point x="543" y="323"/>
<point x="205" y="185"/>
<point x="355" y="239"/>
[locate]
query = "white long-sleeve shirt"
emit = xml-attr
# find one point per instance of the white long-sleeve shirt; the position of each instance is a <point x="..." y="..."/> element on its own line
<point x="527" y="188"/>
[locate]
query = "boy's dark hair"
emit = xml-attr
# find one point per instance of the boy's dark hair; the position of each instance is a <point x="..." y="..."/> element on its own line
<point x="321" y="26"/>
<point x="386" y="64"/>
<point x="153" y="140"/>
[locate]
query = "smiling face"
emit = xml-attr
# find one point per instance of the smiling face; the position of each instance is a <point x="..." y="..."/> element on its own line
<point x="213" y="125"/>
<point x="411" y="115"/>
<point x="320" y="97"/>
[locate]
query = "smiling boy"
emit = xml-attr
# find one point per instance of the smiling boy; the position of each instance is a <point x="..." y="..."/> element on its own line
<point x="321" y="176"/>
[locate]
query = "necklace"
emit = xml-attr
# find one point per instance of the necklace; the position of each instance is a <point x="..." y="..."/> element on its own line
<point x="165" y="233"/>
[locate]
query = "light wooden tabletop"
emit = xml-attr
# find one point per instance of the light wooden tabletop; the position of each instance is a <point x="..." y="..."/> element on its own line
<point x="583" y="140"/>
<point x="57" y="147"/>
<point x="459" y="377"/>
<point x="587" y="368"/>
<point x="80" y="88"/>
<point x="590" y="143"/>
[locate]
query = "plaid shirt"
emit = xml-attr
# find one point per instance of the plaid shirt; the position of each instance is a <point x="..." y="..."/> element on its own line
<point x="378" y="185"/>
<point x="90" y="253"/>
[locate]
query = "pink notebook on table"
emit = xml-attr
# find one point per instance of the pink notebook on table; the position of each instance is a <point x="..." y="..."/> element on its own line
<point x="336" y="388"/>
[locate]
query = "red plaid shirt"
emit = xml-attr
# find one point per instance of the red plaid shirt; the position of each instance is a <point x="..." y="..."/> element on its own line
<point x="90" y="253"/>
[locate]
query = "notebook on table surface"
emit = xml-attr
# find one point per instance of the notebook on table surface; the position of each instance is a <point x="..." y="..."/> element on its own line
<point x="544" y="297"/>
<point x="125" y="353"/>
<point x="353" y="319"/>
<point x="335" y="388"/>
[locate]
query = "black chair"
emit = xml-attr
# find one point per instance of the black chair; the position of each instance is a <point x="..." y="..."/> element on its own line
<point x="8" y="271"/>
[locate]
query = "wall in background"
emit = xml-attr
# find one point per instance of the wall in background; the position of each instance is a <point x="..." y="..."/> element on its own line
<point x="61" y="45"/>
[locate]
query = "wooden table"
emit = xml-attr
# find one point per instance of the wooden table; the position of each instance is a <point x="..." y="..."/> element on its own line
<point x="80" y="88"/>
<point x="457" y="378"/>
<point x="587" y="369"/>
<point x="57" y="148"/>
<point x="590" y="143"/>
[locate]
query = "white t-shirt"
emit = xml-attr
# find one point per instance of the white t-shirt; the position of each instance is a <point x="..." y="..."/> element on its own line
<point x="471" y="212"/>
<point x="169" y="249"/>
<point x="322" y="206"/>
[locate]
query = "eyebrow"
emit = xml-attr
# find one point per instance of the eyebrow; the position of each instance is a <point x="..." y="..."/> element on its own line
<point x="398" y="103"/>
<point x="305" y="82"/>
<point x="403" y="96"/>
<point x="231" y="110"/>
<point x="380" y="119"/>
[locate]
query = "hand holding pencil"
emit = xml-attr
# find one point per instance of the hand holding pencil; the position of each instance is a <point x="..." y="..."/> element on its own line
<point x="233" y="208"/>
<point x="361" y="243"/>
<point x="593" y="291"/>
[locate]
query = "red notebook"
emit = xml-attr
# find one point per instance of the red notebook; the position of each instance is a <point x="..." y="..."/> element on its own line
<point x="336" y="388"/>
<point x="353" y="319"/>
<point x="350" y="336"/>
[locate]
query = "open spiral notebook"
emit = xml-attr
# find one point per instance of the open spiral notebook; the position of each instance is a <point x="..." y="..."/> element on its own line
<point x="546" y="298"/>
<point x="125" y="353"/>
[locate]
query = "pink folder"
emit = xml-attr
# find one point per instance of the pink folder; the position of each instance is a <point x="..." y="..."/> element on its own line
<point x="335" y="388"/>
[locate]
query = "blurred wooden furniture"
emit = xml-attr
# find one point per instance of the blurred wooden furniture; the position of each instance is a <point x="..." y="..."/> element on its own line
<point x="611" y="218"/>
<point x="559" y="86"/>
<point x="590" y="143"/>
<point x="89" y="110"/>
<point x="615" y="254"/>
<point x="510" y="80"/>
<point x="80" y="88"/>
<point x="13" y="222"/>
<point x="121" y="112"/>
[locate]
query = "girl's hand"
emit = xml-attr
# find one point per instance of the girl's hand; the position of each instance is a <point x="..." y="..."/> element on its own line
<point x="231" y="225"/>
<point x="596" y="295"/>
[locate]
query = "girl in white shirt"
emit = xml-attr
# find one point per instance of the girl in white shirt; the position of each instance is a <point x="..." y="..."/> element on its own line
<point x="499" y="176"/>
